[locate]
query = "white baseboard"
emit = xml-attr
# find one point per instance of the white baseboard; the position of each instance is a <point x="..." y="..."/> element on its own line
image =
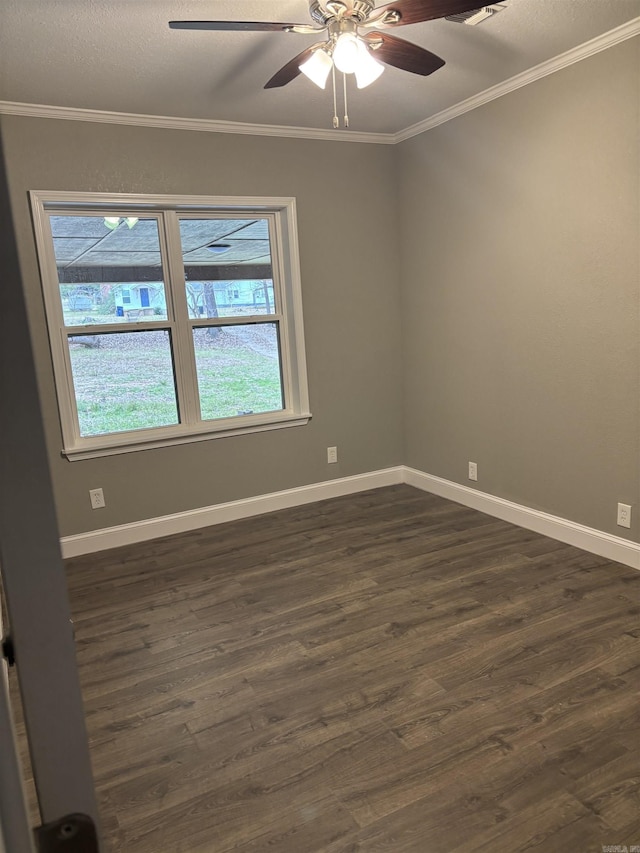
<point x="588" y="538"/>
<point x="180" y="522"/>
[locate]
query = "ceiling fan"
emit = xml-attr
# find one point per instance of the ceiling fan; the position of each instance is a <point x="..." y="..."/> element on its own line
<point x="354" y="40"/>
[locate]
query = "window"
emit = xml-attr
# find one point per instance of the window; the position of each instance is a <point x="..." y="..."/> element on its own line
<point x="170" y="320"/>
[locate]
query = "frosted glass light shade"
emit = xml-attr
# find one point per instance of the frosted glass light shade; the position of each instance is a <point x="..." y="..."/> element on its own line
<point x="346" y="53"/>
<point x="368" y="69"/>
<point x="111" y="222"/>
<point x="317" y="67"/>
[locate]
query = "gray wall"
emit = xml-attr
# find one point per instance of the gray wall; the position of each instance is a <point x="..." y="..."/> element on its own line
<point x="521" y="293"/>
<point x="348" y="253"/>
<point x="491" y="264"/>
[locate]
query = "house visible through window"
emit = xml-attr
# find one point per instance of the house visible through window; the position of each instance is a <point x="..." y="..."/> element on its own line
<point x="170" y="321"/>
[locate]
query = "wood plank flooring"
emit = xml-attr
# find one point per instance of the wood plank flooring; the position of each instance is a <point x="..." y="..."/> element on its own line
<point x="387" y="672"/>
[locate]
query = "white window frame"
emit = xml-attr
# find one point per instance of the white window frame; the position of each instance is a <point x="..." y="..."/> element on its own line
<point x="281" y="214"/>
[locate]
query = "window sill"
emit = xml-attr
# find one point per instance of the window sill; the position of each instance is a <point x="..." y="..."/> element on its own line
<point x="139" y="441"/>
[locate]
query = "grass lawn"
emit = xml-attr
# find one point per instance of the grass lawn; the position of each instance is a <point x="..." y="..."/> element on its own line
<point x="127" y="382"/>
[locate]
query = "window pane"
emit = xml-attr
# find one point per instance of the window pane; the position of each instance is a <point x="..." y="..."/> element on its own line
<point x="109" y="269"/>
<point x="123" y="381"/>
<point x="227" y="267"/>
<point x="238" y="370"/>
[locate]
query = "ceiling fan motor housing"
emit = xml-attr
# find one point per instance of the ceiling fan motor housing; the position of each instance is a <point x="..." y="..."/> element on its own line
<point x="358" y="10"/>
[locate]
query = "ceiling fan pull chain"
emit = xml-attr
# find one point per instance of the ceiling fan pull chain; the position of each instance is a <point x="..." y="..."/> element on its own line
<point x="346" y="110"/>
<point x="336" y="120"/>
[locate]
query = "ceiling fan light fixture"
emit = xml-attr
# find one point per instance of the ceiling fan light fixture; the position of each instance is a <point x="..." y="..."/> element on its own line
<point x="112" y="222"/>
<point x="317" y="67"/>
<point x="346" y="53"/>
<point x="368" y="69"/>
<point x="353" y="42"/>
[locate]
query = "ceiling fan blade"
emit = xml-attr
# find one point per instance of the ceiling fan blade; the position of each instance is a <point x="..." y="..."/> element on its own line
<point x="239" y="26"/>
<point x="402" y="12"/>
<point x="291" y="70"/>
<point x="402" y="54"/>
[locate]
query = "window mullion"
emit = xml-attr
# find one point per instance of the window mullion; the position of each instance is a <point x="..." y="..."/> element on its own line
<point x="184" y="357"/>
<point x="278" y="261"/>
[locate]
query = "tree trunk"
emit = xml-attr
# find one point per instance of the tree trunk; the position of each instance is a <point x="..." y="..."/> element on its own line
<point x="267" y="303"/>
<point x="211" y="306"/>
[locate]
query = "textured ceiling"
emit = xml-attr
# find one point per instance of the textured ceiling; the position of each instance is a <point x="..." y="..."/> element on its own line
<point x="120" y="55"/>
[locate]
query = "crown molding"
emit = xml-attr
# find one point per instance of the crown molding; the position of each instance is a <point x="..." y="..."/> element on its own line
<point x="564" y="60"/>
<point x="203" y="125"/>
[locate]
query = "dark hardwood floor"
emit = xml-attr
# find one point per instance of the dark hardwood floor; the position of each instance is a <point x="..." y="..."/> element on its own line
<point x="387" y="671"/>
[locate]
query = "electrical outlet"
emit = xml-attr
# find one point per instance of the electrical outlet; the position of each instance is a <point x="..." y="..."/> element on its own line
<point x="332" y="454"/>
<point x="97" y="498"/>
<point x="473" y="470"/>
<point x="624" y="515"/>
